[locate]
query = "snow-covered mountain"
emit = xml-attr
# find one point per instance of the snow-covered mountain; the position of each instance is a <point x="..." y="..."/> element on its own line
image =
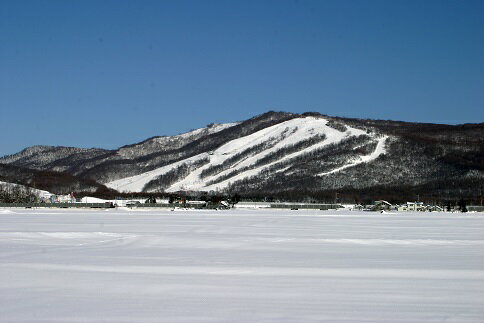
<point x="279" y="152"/>
<point x="248" y="156"/>
<point x="55" y="182"/>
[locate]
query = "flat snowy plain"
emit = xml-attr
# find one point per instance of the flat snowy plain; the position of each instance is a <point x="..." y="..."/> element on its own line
<point x="240" y="266"/>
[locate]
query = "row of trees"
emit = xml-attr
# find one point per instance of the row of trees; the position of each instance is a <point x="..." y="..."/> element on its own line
<point x="174" y="175"/>
<point x="251" y="151"/>
<point x="17" y="194"/>
<point x="272" y="157"/>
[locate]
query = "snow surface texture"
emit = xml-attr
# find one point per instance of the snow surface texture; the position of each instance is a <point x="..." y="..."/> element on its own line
<point x="285" y="134"/>
<point x="240" y="266"/>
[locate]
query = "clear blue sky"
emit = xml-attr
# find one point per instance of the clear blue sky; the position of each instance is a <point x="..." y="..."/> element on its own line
<point x="108" y="73"/>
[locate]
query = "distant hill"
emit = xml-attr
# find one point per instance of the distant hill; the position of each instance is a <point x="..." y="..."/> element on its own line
<point x="54" y="182"/>
<point x="287" y="155"/>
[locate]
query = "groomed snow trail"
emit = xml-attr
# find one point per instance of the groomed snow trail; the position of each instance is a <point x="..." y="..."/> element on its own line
<point x="138" y="182"/>
<point x="379" y="150"/>
<point x="240" y="266"/>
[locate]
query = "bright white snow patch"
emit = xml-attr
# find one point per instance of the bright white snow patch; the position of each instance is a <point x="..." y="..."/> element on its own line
<point x="89" y="199"/>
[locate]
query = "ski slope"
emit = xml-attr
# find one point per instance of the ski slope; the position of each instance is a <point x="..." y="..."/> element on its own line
<point x="240" y="266"/>
<point x="138" y="182"/>
<point x="276" y="137"/>
<point x="379" y="150"/>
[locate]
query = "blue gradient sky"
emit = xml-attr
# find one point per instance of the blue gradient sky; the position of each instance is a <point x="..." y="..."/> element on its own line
<point x="109" y="73"/>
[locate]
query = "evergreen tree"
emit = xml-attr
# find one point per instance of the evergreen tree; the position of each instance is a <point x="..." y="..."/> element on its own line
<point x="462" y="205"/>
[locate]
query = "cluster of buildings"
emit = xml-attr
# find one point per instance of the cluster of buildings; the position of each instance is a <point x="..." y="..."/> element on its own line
<point x="46" y="197"/>
<point x="408" y="206"/>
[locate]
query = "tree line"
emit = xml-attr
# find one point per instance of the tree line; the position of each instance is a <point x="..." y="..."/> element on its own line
<point x="17" y="194"/>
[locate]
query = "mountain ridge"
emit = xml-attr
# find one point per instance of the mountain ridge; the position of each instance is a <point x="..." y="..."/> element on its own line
<point x="278" y="152"/>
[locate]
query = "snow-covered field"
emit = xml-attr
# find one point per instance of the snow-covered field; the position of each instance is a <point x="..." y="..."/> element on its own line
<point x="240" y="266"/>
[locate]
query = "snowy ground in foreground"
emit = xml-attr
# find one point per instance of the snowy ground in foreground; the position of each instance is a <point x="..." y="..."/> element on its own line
<point x="240" y="265"/>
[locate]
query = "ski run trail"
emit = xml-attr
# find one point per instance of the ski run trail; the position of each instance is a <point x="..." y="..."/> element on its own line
<point x="284" y="134"/>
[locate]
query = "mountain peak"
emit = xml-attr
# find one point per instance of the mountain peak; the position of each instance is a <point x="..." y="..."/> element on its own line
<point x="281" y="152"/>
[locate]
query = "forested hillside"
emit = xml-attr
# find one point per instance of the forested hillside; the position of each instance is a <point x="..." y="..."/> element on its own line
<point x="277" y="154"/>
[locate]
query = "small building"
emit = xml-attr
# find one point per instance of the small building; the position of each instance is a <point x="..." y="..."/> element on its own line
<point x="412" y="206"/>
<point x="434" y="208"/>
<point x="69" y="198"/>
<point x="382" y="206"/>
<point x="196" y="204"/>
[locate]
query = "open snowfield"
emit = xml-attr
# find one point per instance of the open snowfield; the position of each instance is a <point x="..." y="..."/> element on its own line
<point x="240" y="266"/>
